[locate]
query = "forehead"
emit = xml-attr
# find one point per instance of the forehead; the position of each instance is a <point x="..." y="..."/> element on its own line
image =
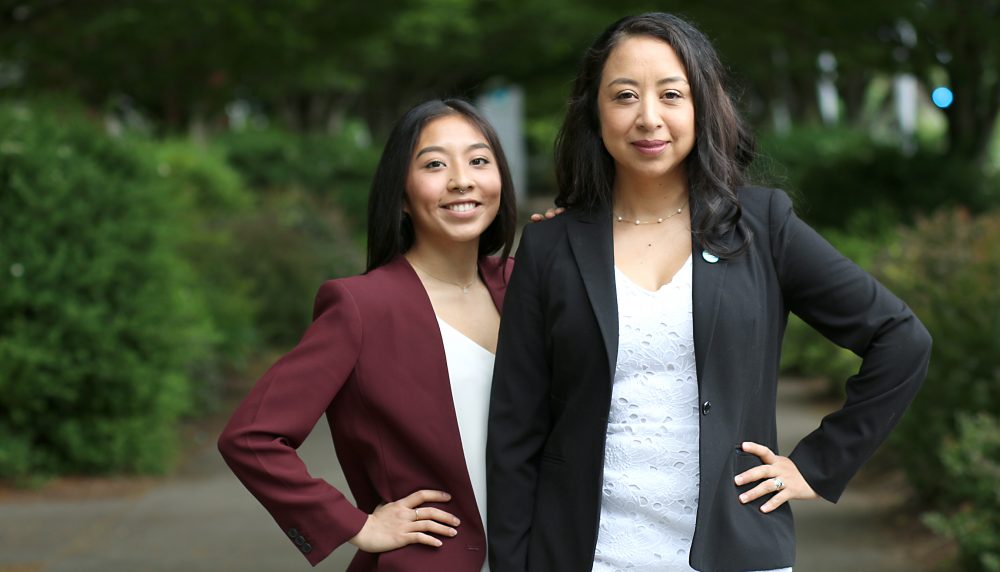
<point x="640" y="56"/>
<point x="453" y="130"/>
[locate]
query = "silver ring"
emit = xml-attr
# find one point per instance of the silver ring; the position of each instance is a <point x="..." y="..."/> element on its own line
<point x="416" y="514"/>
<point x="778" y="484"/>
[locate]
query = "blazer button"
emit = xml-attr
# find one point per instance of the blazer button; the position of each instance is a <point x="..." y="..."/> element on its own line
<point x="706" y="407"/>
<point x="306" y="548"/>
<point x="300" y="541"/>
<point x="292" y="532"/>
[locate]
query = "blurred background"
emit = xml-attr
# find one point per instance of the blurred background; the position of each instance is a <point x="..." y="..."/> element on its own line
<point x="177" y="178"/>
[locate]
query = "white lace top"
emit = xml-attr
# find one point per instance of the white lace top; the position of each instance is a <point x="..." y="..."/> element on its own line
<point x="470" y="370"/>
<point x="651" y="455"/>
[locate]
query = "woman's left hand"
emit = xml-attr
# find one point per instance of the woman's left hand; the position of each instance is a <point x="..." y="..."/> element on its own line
<point x="775" y="471"/>
<point x="549" y="213"/>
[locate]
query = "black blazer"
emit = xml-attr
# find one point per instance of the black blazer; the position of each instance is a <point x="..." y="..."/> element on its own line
<point x="555" y="366"/>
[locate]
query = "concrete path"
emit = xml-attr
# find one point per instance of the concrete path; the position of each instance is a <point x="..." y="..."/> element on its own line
<point x="201" y="518"/>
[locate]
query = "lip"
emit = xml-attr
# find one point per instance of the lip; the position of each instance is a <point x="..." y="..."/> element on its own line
<point x="650" y="146"/>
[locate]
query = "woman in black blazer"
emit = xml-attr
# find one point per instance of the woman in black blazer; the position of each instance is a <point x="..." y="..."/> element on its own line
<point x="666" y="254"/>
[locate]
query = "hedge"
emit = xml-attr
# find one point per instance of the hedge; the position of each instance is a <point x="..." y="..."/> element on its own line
<point x="100" y="317"/>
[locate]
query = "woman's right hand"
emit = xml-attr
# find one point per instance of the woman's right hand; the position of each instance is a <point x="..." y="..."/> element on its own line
<point x="404" y="522"/>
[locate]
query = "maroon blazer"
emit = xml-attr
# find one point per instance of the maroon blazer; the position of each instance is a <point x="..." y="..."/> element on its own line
<point x="374" y="362"/>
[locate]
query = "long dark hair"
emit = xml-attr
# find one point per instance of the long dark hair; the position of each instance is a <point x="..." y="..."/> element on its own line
<point x="723" y="150"/>
<point x="390" y="231"/>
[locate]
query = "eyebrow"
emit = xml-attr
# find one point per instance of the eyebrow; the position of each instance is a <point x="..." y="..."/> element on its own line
<point x="632" y="82"/>
<point x="436" y="149"/>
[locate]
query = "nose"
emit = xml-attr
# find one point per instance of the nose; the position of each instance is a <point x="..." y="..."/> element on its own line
<point x="649" y="117"/>
<point x="460" y="180"/>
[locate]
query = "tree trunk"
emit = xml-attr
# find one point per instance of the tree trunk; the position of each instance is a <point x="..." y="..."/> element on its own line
<point x="974" y="81"/>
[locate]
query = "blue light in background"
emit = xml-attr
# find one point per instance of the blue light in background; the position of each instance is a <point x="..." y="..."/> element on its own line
<point x="942" y="97"/>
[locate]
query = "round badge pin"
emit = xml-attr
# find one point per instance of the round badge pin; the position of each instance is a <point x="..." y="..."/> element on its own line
<point x="709" y="257"/>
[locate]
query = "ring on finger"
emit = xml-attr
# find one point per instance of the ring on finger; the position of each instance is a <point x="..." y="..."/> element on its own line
<point x="778" y="484"/>
<point x="416" y="514"/>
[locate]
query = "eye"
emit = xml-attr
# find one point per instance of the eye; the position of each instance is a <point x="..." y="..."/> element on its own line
<point x="435" y="164"/>
<point x="479" y="162"/>
<point x="626" y="96"/>
<point x="673" y="95"/>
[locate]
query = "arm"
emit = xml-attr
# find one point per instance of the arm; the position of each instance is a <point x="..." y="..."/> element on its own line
<point x="262" y="437"/>
<point x="848" y="306"/>
<point x="519" y="415"/>
<point x="259" y="443"/>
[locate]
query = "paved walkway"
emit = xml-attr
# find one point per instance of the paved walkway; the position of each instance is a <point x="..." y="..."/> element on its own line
<point x="201" y="519"/>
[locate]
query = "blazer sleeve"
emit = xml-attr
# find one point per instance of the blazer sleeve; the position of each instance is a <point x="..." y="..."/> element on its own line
<point x="519" y="416"/>
<point x="259" y="443"/>
<point x="852" y="309"/>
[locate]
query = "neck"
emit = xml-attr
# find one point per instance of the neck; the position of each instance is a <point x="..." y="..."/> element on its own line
<point x="643" y="197"/>
<point x="456" y="262"/>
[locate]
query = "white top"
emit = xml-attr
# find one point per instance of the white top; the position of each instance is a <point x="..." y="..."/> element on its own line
<point x="651" y="469"/>
<point x="470" y="369"/>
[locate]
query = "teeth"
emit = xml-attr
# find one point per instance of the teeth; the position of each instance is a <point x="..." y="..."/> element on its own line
<point x="461" y="207"/>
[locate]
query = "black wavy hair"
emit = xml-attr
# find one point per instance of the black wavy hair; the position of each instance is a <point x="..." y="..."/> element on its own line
<point x="723" y="149"/>
<point x="390" y="231"/>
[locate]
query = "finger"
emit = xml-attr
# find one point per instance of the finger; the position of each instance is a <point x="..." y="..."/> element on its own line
<point x="764" y="488"/>
<point x="761" y="451"/>
<point x="755" y="474"/>
<point x="421" y="538"/>
<point x="776" y="501"/>
<point x="431" y="513"/>
<point x="432" y="527"/>
<point x="424" y="496"/>
<point x="537" y="217"/>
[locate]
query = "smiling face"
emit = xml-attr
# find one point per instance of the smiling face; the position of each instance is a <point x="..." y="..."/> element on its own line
<point x="453" y="185"/>
<point x="646" y="109"/>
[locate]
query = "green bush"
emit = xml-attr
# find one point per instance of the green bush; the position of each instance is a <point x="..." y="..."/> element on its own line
<point x="330" y="166"/>
<point x="312" y="193"/>
<point x="946" y="269"/>
<point x="265" y="158"/>
<point x="100" y="318"/>
<point x="213" y="197"/>
<point x="972" y="470"/>
<point x="288" y="247"/>
<point x="840" y="177"/>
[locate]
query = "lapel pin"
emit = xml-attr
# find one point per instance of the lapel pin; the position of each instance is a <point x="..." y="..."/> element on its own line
<point x="709" y="257"/>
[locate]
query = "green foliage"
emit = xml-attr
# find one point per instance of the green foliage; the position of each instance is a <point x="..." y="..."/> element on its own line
<point x="946" y="270"/>
<point x="329" y="166"/>
<point x="312" y="192"/>
<point x="99" y="316"/>
<point x="288" y="247"/>
<point x="844" y="180"/>
<point x="214" y="202"/>
<point x="972" y="470"/>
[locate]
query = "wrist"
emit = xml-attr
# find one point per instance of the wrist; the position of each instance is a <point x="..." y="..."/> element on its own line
<point x="358" y="539"/>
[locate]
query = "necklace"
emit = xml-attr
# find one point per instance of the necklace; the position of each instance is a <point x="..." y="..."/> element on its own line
<point x="464" y="287"/>
<point x="619" y="218"/>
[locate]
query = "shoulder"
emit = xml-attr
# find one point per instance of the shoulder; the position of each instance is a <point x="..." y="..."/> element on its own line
<point x="764" y="208"/>
<point x="761" y="199"/>
<point x="496" y="268"/>
<point x="375" y="287"/>
<point x="546" y="234"/>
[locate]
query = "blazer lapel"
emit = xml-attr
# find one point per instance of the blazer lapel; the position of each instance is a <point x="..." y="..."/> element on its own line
<point x="593" y="248"/>
<point x="707" y="279"/>
<point x="495" y="274"/>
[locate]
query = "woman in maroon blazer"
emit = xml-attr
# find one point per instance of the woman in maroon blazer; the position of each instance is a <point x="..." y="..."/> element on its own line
<point x="382" y="357"/>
